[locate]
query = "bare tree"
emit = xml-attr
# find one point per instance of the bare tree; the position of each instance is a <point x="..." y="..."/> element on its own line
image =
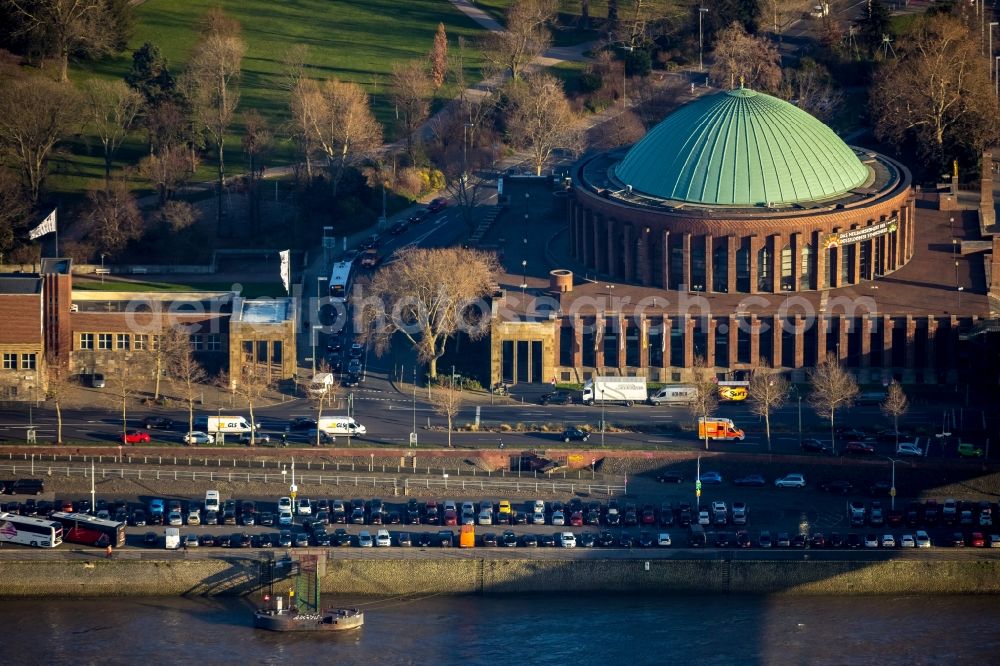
<point x="59" y="384"/>
<point x="176" y="215"/>
<point x="619" y="130"/>
<point x="189" y="377"/>
<point x="833" y="388"/>
<point x="425" y="295"/>
<point x="937" y="93"/>
<point x="540" y="120"/>
<point x="123" y="383"/>
<point x="14" y="209"/>
<point x="68" y="26"/>
<point x="412" y="88"/>
<point x="337" y="118"/>
<point x="768" y="392"/>
<point x="163" y="354"/>
<point x="306" y="104"/>
<point x="35" y="114"/>
<point x="895" y="405"/>
<point x="706" y="395"/>
<point x="250" y="383"/>
<point x="779" y="15"/>
<point x="745" y="60"/>
<point x="294" y="64"/>
<point x="166" y="171"/>
<point x="328" y="397"/>
<point x="811" y="88"/>
<point x="256" y="144"/>
<point x="447" y="401"/>
<point x="214" y="68"/>
<point x="112" y="217"/>
<point x="112" y="108"/>
<point x="438" y="57"/>
<point x="640" y="21"/>
<point x="527" y="36"/>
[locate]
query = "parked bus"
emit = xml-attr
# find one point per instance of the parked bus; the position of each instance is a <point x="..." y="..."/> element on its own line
<point x="30" y="531"/>
<point x="90" y="531"/>
<point x="340" y="280"/>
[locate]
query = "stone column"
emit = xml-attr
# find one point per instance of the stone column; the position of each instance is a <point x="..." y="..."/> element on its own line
<point x="686" y="259"/>
<point x="734" y="340"/>
<point x="612" y="249"/>
<point x="855" y="277"/>
<point x="930" y="374"/>
<point x="776" y="347"/>
<point x="952" y="375"/>
<point x="799" y="342"/>
<point x="596" y="260"/>
<point x="797" y="260"/>
<point x="731" y="264"/>
<point x="777" y="244"/>
<point x="754" y="341"/>
<point x="643" y="260"/>
<point x="754" y="249"/>
<point x="622" y="343"/>
<point x="710" y="324"/>
<point x="667" y="324"/>
<point x="995" y="266"/>
<point x="842" y="338"/>
<point x="887" y="327"/>
<point x="821" y="255"/>
<point x="821" y="324"/>
<point x="556" y="345"/>
<point x="666" y="261"/>
<point x="644" y="343"/>
<point x="837" y="263"/>
<point x="688" y="342"/>
<point x="600" y="330"/>
<point x="628" y="251"/>
<point x="709" y="282"/>
<point x="909" y="374"/>
<point x="577" y="341"/>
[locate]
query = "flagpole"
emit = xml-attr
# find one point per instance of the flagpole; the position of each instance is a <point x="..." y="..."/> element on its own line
<point x="56" y="220"/>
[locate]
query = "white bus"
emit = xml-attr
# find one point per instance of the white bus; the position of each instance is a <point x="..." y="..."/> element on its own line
<point x="340" y="280"/>
<point x="30" y="531"/>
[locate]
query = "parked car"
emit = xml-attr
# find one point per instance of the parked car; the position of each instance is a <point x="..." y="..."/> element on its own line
<point x="909" y="449"/>
<point x="198" y="437"/>
<point x="135" y="437"/>
<point x="575" y="435"/>
<point x="557" y="398"/>
<point x="861" y="448"/>
<point x="710" y="478"/>
<point x="791" y="481"/>
<point x="750" y="480"/>
<point x="97" y="380"/>
<point x="815" y="446"/>
<point x="841" y="486"/>
<point x="966" y="450"/>
<point x="670" y="477"/>
<point x="399" y="228"/>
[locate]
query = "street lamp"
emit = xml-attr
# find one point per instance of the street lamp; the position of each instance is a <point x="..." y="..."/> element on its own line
<point x="102" y="268"/>
<point x="892" y="488"/>
<point x="627" y="49"/>
<point x="602" y="416"/>
<point x="960" y="290"/>
<point x="413" y="433"/>
<point x="524" y="275"/>
<point x="701" y="40"/>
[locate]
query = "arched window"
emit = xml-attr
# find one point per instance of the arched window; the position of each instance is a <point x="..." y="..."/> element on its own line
<point x="808" y="267"/>
<point x="787" y="279"/>
<point x="764" y="282"/>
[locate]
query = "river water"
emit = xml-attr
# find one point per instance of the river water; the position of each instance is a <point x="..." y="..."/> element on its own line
<point x="529" y="630"/>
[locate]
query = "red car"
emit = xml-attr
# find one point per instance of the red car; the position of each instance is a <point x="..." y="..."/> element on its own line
<point x="438" y="204"/>
<point x="135" y="437"/>
<point x="859" y="447"/>
<point x="977" y="540"/>
<point x="450" y="517"/>
<point x="576" y="518"/>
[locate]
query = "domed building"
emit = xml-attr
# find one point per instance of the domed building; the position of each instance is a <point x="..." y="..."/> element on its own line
<point x="741" y="192"/>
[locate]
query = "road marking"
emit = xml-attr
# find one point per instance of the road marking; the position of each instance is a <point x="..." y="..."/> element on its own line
<point x="659" y="441"/>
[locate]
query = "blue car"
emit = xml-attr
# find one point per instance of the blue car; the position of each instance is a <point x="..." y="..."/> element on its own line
<point x="156" y="507"/>
<point x="713" y="478"/>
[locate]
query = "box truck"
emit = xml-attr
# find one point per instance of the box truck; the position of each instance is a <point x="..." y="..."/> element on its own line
<point x="340" y="425"/>
<point x="674" y="395"/>
<point x="616" y="390"/>
<point x="715" y="428"/>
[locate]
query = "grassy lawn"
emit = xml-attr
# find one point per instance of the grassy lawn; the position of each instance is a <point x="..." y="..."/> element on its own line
<point x="250" y="289"/>
<point x="353" y="40"/>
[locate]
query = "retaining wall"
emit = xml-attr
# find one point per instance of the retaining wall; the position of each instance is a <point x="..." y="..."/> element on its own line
<point x="493" y="575"/>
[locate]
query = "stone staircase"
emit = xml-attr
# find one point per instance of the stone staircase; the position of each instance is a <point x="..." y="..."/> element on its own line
<point x="483" y="227"/>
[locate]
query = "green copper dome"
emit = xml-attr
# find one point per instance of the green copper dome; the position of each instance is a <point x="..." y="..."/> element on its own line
<point x="741" y="148"/>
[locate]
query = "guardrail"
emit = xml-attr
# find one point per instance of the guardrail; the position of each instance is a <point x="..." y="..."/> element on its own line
<point x="397" y="485"/>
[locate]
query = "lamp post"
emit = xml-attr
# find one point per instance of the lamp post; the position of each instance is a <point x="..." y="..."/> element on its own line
<point x="954" y="255"/>
<point x="960" y="290"/>
<point x="413" y="433"/>
<point x="701" y="40"/>
<point x="602" y="417"/>
<point x="892" y="487"/>
<point x="102" y="268"/>
<point x="627" y="49"/>
<point x="524" y="275"/>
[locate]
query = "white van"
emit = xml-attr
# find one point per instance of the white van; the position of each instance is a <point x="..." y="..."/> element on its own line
<point x="674" y="395"/>
<point x="341" y="425"/>
<point x="211" y="500"/>
<point x="172" y="538"/>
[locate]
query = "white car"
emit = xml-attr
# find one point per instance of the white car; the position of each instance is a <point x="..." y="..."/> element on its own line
<point x="284" y="504"/>
<point x="791" y="481"/>
<point x="907" y="541"/>
<point x="365" y="539"/>
<point x="468" y="507"/>
<point x="871" y="541"/>
<point x="174" y="519"/>
<point x="922" y="539"/>
<point x="888" y="541"/>
<point x="198" y="437"/>
<point x="284" y="517"/>
<point x="909" y="449"/>
<point x="558" y="518"/>
<point x="567" y="540"/>
<point x="704" y="518"/>
<point x="538" y="518"/>
<point x="304" y="507"/>
<point x="718" y="505"/>
<point x="485" y="517"/>
<point x="539" y="507"/>
<point x="995" y="541"/>
<point x="450" y="505"/>
<point x="664" y="540"/>
<point x="382" y="538"/>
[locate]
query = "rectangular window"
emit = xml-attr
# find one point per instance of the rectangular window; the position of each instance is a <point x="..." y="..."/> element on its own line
<point x="9" y="361"/>
<point x="155" y="342"/>
<point x="27" y="361"/>
<point x="122" y="342"/>
<point x="104" y="341"/>
<point x="214" y="342"/>
<point x="140" y="342"/>
<point x="248" y="351"/>
<point x="276" y="352"/>
<point x="261" y="352"/>
<point x="86" y="341"/>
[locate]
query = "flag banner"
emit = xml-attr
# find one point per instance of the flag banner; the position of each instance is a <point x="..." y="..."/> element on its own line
<point x="47" y="226"/>
<point x="286" y="268"/>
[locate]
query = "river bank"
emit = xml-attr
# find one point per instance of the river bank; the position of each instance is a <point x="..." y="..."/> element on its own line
<point x="489" y="574"/>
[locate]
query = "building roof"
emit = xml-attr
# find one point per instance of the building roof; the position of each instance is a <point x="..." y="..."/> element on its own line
<point x="21" y="284"/>
<point x="265" y="311"/>
<point x="741" y="148"/>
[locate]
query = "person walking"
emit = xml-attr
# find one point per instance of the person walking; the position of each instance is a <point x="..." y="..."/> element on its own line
<point x="108" y="552"/>
<point x="501" y="444"/>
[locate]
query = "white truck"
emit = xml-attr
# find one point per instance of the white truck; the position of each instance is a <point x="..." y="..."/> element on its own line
<point x="172" y="538"/>
<point x="224" y="424"/>
<point x="615" y="390"/>
<point x="340" y="425"/>
<point x="211" y="500"/>
<point x="677" y="394"/>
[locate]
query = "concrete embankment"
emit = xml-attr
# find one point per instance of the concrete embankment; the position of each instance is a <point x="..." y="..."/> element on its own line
<point x="496" y="575"/>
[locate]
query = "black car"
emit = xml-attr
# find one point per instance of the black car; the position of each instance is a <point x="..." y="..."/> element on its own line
<point x="489" y="540"/>
<point x="626" y="540"/>
<point x="646" y="540"/>
<point x="670" y="477"/>
<point x="424" y="540"/>
<point x="836" y="541"/>
<point x="341" y="537"/>
<point x="743" y="540"/>
<point x="321" y="538"/>
<point x="223" y="541"/>
<point x="351" y="379"/>
<point x="206" y="540"/>
<point x="605" y="539"/>
<point x="750" y="480"/>
<point x="243" y="540"/>
<point x="419" y="216"/>
<point x="446" y="538"/>
<point x="151" y="538"/>
<point x="841" y="486"/>
<point x="815" y="446"/>
<point x="520" y="518"/>
<point x="547" y="540"/>
<point x="722" y="540"/>
<point x="799" y="541"/>
<point x="157" y="422"/>
<point x="529" y="541"/>
<point x="879" y="489"/>
<point x="358" y="516"/>
<point x="587" y="540"/>
<point x="399" y="228"/>
<point x="557" y="398"/>
<point x="138" y="518"/>
<point x="508" y="539"/>
<point x="666" y="515"/>
<point x="265" y="518"/>
<point x="853" y="540"/>
<point x="575" y="435"/>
